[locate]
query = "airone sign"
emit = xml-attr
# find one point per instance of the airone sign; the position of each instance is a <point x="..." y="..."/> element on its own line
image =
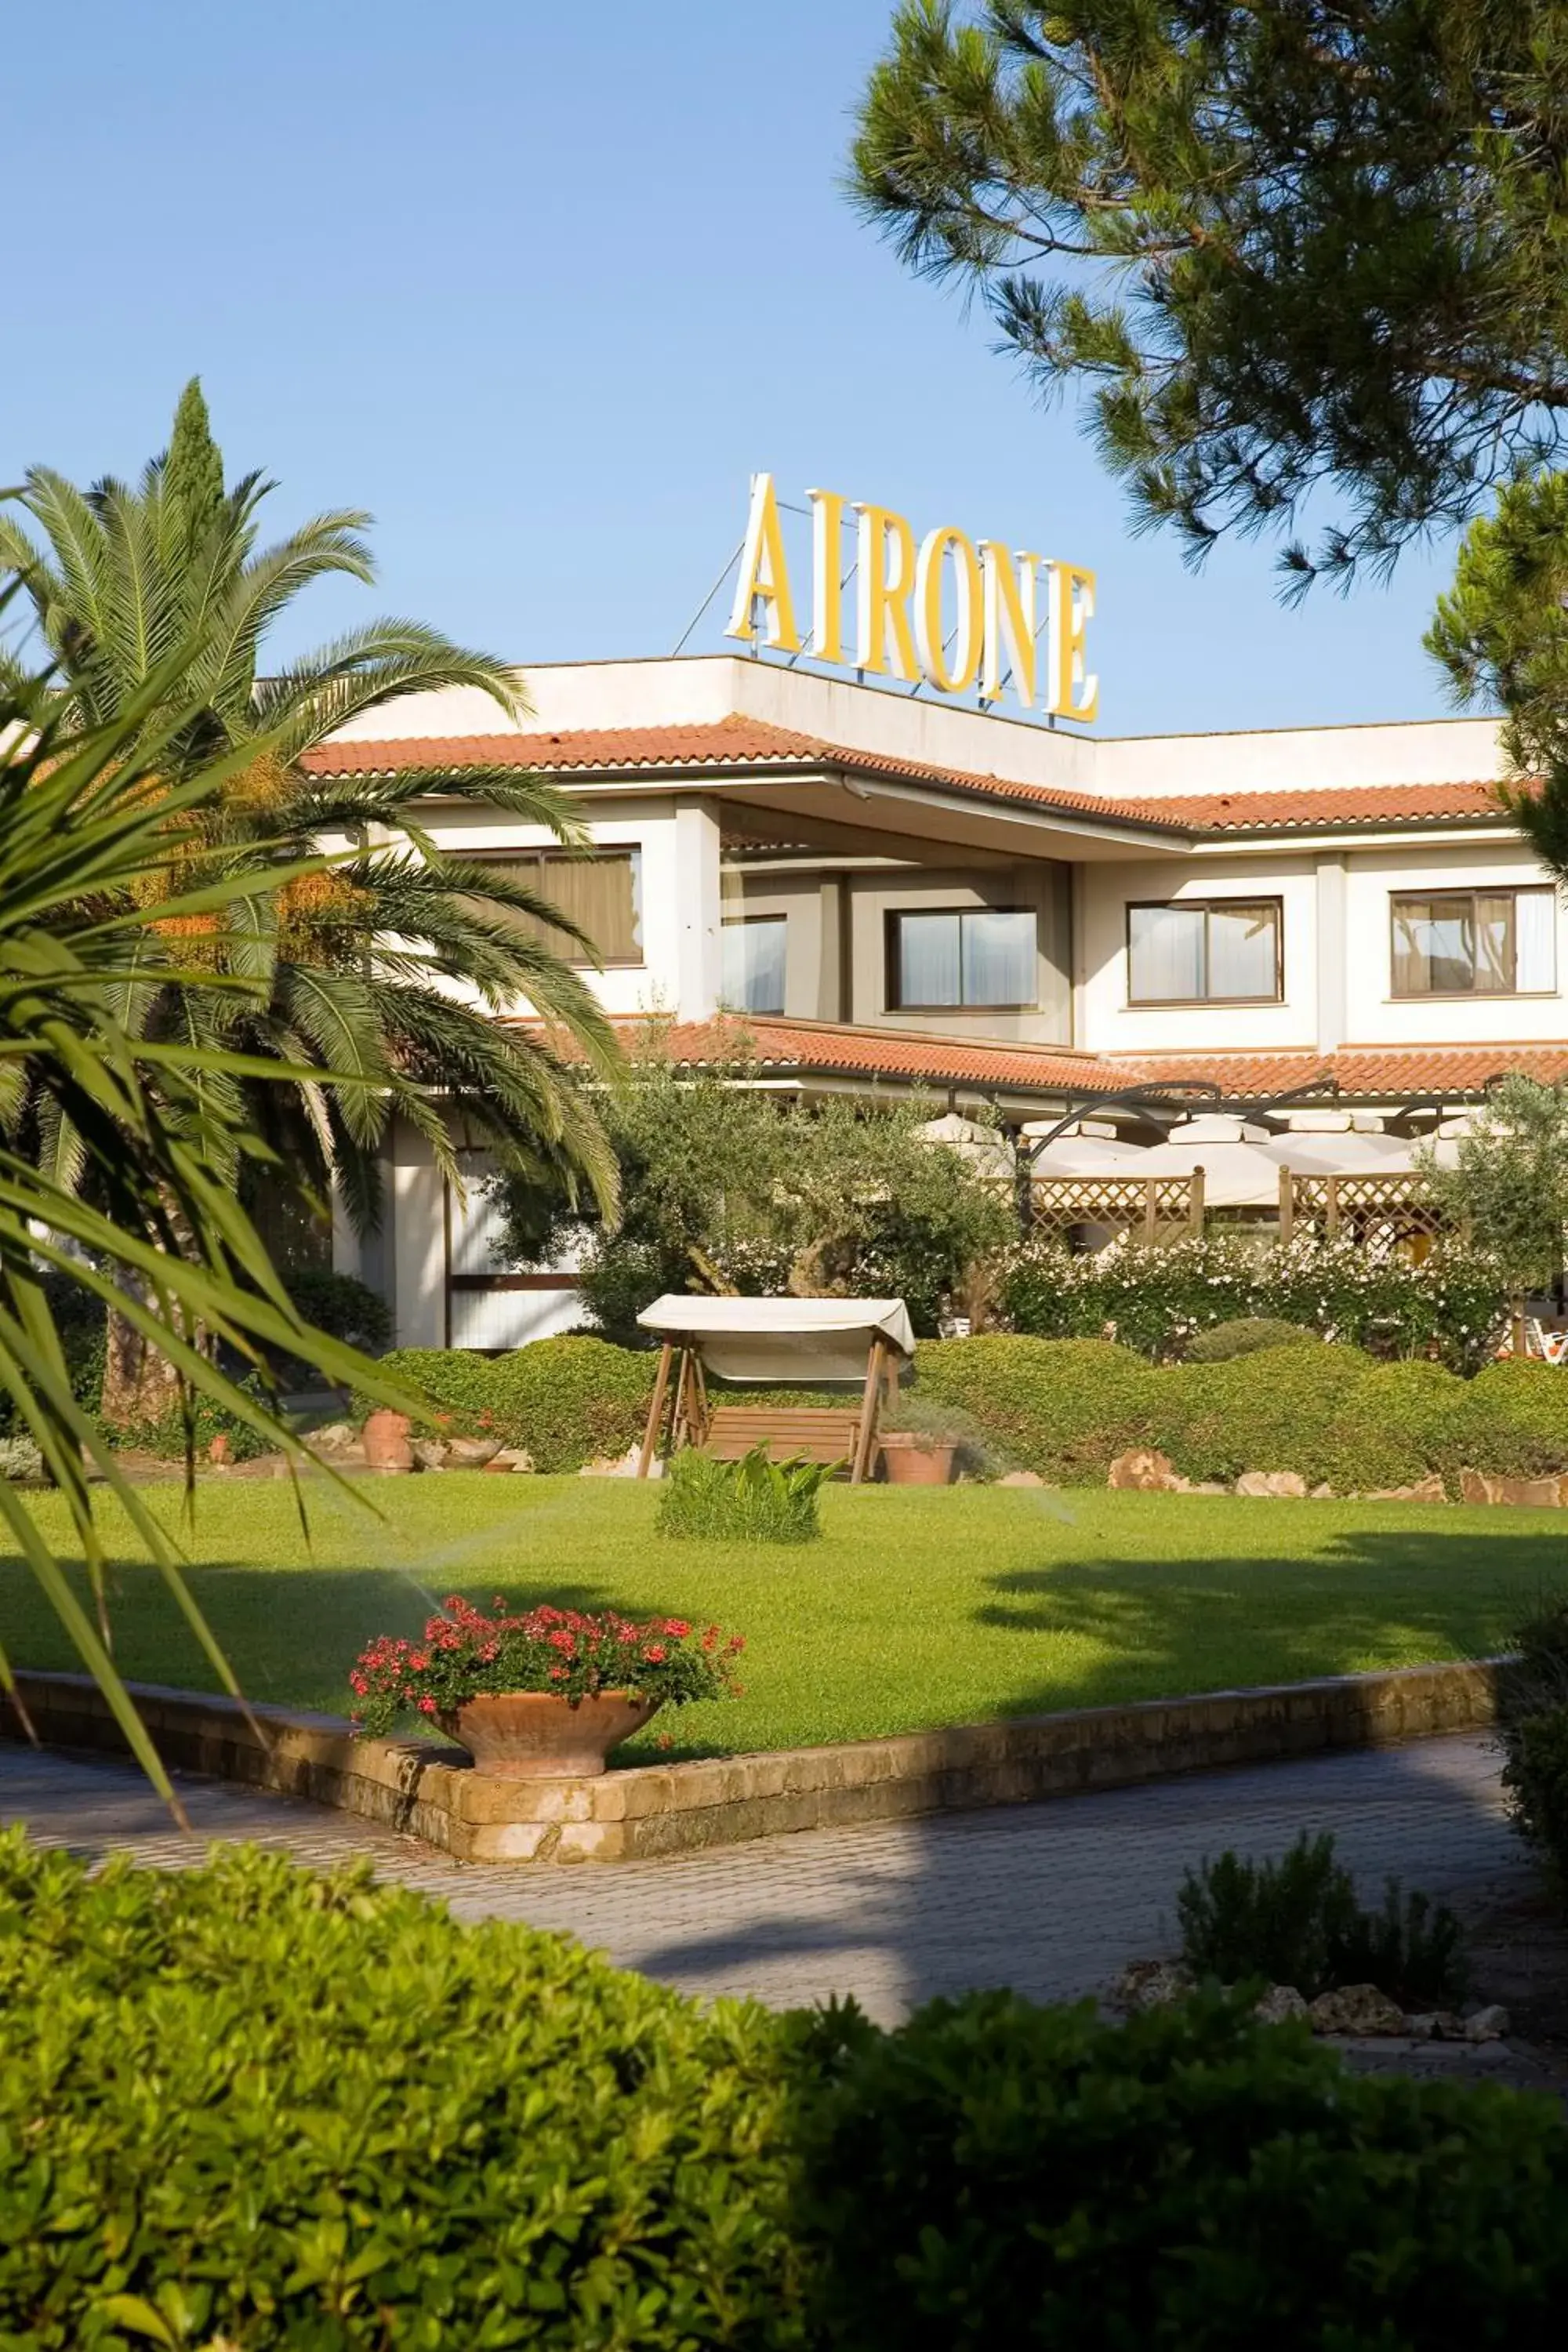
<point x="904" y="595"/>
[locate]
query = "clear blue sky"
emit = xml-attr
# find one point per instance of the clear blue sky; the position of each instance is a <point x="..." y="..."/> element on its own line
<point x="540" y="286"/>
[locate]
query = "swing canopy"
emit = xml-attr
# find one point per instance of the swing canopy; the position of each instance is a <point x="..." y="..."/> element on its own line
<point x="782" y="1342"/>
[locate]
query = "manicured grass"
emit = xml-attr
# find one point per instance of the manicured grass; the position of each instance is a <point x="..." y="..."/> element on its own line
<point x="915" y="1609"/>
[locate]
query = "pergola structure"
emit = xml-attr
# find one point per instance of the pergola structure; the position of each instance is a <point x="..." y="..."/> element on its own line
<point x="774" y="1343"/>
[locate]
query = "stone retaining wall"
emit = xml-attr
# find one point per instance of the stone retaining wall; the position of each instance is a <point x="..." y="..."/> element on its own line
<point x="434" y="1793"/>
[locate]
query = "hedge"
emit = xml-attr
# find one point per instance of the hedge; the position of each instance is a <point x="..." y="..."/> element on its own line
<point x="243" y="2105"/>
<point x="1066" y="1407"/>
<point x="568" y="1402"/>
<point x="1001" y="2174"/>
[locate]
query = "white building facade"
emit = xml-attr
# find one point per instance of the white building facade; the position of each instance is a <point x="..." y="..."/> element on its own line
<point x="892" y="892"/>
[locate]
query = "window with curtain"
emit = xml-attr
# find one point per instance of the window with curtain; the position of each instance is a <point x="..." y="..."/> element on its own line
<point x="1205" y="951"/>
<point x="1474" y="942"/>
<point x="752" y="978"/>
<point x="601" y="892"/>
<point x="957" y="956"/>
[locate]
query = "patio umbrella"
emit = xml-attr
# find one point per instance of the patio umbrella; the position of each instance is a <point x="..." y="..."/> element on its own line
<point x="986" y="1151"/>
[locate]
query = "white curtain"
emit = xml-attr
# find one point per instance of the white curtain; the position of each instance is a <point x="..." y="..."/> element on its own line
<point x="1536" y="941"/>
<point x="1165" y="954"/>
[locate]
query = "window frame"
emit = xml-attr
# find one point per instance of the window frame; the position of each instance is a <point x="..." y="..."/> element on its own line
<point x="1514" y="891"/>
<point x="740" y="922"/>
<point x="892" y="998"/>
<point x="1205" y="907"/>
<point x="559" y="942"/>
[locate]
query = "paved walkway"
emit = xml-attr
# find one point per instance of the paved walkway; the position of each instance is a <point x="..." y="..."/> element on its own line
<point x="1051" y="1899"/>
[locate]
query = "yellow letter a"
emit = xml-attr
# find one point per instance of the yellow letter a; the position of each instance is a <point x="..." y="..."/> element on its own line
<point x="764" y="573"/>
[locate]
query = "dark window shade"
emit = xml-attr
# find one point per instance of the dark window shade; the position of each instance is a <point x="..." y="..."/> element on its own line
<point x="601" y="893"/>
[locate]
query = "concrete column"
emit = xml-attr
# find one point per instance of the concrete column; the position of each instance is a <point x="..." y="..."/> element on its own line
<point x="834" y="959"/>
<point x="418" y="1252"/>
<point x="697" y="915"/>
<point x="1332" y="954"/>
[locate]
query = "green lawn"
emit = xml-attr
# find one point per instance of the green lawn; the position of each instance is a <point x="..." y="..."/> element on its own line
<point x="916" y="1609"/>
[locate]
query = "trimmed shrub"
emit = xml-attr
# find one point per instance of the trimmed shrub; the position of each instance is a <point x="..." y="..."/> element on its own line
<point x="995" y="2173"/>
<point x="1066" y="1407"/>
<point x="241" y="2103"/>
<point x="755" y="1500"/>
<point x="1297" y="1921"/>
<point x="567" y="1400"/>
<point x="1532" y="1711"/>
<point x="1247" y="1336"/>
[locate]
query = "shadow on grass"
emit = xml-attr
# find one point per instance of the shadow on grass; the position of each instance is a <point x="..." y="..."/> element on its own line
<point x="1369" y="1598"/>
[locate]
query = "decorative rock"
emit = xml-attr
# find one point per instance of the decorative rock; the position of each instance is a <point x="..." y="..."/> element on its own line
<point x="1358" y="2011"/>
<point x="1148" y="1984"/>
<point x="1490" y="2024"/>
<point x="511" y="1457"/>
<point x="336" y="1437"/>
<point x="472" y="1453"/>
<point x="1283" y="1483"/>
<point x="1429" y="1489"/>
<point x="1323" y="1494"/>
<point x="1480" y="1486"/>
<point x="429" y="1452"/>
<point x="1280" y="2005"/>
<point x="1142" y="1471"/>
<point x="1021" y="1478"/>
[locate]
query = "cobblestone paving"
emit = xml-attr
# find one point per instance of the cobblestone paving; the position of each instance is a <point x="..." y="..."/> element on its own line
<point x="1051" y="1899"/>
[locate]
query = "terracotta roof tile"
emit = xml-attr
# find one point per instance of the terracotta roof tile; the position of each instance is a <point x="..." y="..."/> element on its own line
<point x="755" y="743"/>
<point x="894" y="1053"/>
<point x="1366" y="1071"/>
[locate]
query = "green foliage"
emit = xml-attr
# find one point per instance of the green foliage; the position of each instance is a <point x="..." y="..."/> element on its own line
<point x="1536" y="1778"/>
<point x="1247" y="1336"/>
<point x="1510" y="1180"/>
<point x="1533" y="1712"/>
<point x="240" y="2104"/>
<point x="167" y="1434"/>
<point x="567" y="1400"/>
<point x="1157" y="1299"/>
<point x="755" y="1500"/>
<point x="143" y="1213"/>
<point x="725" y="1187"/>
<point x="1501" y="635"/>
<point x="1297" y="1922"/>
<point x="995" y="2173"/>
<point x="1280" y="249"/>
<point x="1068" y="1408"/>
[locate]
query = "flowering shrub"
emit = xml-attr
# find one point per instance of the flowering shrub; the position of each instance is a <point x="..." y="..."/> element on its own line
<point x="463" y="1653"/>
<point x="1155" y="1299"/>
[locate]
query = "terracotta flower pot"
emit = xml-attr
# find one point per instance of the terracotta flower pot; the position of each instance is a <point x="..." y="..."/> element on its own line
<point x="537" y="1736"/>
<point x="910" y="1460"/>
<point x="387" y="1445"/>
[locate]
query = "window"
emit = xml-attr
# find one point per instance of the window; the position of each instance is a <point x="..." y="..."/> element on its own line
<point x="602" y="893"/>
<point x="1475" y="944"/>
<point x="752" y="969"/>
<point x="1197" y="952"/>
<point x="962" y="956"/>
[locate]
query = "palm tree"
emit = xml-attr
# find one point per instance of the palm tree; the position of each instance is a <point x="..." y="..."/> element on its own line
<point x="392" y="966"/>
<point x="90" y="830"/>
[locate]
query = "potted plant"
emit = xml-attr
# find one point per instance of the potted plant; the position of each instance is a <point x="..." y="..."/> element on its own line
<point x="543" y="1695"/>
<point x="923" y="1443"/>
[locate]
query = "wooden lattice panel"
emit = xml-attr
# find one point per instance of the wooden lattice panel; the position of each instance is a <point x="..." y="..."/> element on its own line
<point x="1153" y="1208"/>
<point x="1373" y="1209"/>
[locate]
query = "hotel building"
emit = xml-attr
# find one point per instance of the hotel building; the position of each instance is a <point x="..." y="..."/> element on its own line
<point x="897" y="892"/>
